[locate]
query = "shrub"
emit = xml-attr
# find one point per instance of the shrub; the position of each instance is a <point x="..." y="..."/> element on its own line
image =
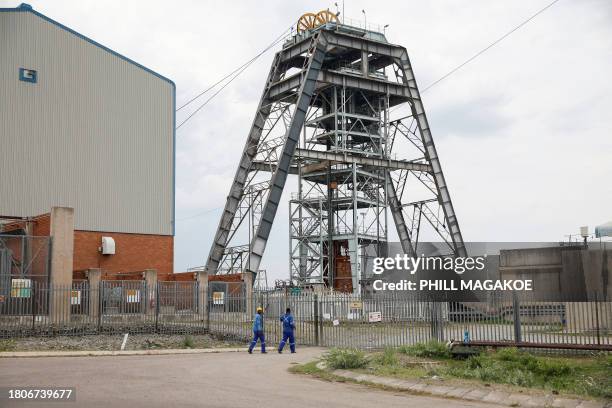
<point x="8" y="345"/>
<point x="431" y="349"/>
<point x="188" y="342"/>
<point x="387" y="358"/>
<point x="346" y="358"/>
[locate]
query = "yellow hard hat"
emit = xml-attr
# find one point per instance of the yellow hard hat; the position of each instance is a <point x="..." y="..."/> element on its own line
<point x="259" y="309"/>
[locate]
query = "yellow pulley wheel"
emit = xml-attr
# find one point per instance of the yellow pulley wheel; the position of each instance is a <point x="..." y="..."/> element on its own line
<point x="324" y="17"/>
<point x="306" y="22"/>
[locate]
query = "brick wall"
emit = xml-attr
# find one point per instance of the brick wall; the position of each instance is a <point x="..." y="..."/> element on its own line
<point x="133" y="252"/>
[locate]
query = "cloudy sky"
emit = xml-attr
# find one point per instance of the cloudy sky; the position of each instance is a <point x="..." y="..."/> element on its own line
<point x="524" y="132"/>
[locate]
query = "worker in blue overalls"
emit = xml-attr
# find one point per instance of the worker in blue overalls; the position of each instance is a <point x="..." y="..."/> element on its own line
<point x="258" y="332"/>
<point x="288" y="327"/>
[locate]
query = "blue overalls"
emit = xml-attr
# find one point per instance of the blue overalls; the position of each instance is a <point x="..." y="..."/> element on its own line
<point x="288" y="327"/>
<point x="258" y="333"/>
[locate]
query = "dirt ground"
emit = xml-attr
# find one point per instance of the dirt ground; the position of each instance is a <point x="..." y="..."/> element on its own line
<point x="113" y="342"/>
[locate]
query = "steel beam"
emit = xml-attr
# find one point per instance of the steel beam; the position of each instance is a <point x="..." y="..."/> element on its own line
<point x="237" y="189"/>
<point x="288" y="85"/>
<point x="260" y="239"/>
<point x="418" y="112"/>
<point x="398" y="217"/>
<point x="345" y="158"/>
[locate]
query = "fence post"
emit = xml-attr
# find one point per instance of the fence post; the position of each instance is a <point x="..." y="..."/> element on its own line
<point x="434" y="323"/>
<point x="597" y="317"/>
<point x="100" y="305"/>
<point x="157" y="305"/>
<point x="248" y="279"/>
<point x="150" y="277"/>
<point x="516" y="311"/>
<point x="62" y="254"/>
<point x="316" y="318"/>
<point x="93" y="279"/>
<point x="202" y="282"/>
<point x="32" y="294"/>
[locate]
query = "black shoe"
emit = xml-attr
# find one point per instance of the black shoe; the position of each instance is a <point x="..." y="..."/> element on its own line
<point x="280" y="352"/>
<point x="250" y="351"/>
<point x="264" y="352"/>
<point x="293" y="352"/>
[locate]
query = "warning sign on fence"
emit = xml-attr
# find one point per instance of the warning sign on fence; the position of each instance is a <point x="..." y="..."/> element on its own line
<point x="356" y="305"/>
<point x="374" y="317"/>
<point x="75" y="297"/>
<point x="21" y="288"/>
<point x="218" y="298"/>
<point x="133" y="295"/>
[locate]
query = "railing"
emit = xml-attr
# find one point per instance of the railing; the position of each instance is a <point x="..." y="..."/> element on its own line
<point x="330" y="319"/>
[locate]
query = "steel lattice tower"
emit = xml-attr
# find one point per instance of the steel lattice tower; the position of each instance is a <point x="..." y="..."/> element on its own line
<point x="325" y="116"/>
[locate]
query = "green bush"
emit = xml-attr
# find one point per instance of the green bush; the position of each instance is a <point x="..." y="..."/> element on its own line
<point x="338" y="358"/>
<point x="387" y="358"/>
<point x="188" y="342"/>
<point x="431" y="349"/>
<point x="8" y="345"/>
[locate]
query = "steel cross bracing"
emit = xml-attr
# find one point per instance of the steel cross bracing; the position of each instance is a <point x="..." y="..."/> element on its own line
<point x="324" y="116"/>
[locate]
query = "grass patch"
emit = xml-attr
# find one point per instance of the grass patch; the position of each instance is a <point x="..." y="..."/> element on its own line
<point x="576" y="375"/>
<point x="312" y="369"/>
<point x="581" y="376"/>
<point x="387" y="358"/>
<point x="8" y="345"/>
<point x="431" y="349"/>
<point x="188" y="342"/>
<point x="339" y="358"/>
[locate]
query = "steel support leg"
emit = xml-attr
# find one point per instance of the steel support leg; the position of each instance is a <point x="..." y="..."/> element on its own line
<point x="237" y="189"/>
<point x="311" y="72"/>
<point x="418" y="112"/>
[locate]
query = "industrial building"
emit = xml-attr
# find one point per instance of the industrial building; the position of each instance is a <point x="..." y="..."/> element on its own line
<point x="84" y="127"/>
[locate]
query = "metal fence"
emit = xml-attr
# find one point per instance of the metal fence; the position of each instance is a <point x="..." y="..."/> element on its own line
<point x="338" y="320"/>
<point x="37" y="308"/>
<point x="22" y="257"/>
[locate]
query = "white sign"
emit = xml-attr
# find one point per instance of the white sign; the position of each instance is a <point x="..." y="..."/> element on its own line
<point x="218" y="298"/>
<point x="133" y="295"/>
<point x="374" y="317"/>
<point x="327" y="316"/>
<point x="336" y="322"/>
<point x="21" y="288"/>
<point x="75" y="297"/>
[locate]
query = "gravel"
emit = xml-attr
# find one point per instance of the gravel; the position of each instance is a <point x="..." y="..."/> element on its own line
<point x="113" y="342"/>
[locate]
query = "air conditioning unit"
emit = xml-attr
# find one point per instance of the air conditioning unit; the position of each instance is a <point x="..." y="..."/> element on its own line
<point x="108" y="246"/>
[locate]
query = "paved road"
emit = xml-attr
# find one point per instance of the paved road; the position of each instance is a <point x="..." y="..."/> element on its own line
<point x="200" y="380"/>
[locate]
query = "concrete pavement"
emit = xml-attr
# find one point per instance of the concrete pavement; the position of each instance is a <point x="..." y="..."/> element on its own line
<point x="200" y="380"/>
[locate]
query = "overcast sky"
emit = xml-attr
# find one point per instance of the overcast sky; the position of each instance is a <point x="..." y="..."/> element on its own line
<point x="524" y="132"/>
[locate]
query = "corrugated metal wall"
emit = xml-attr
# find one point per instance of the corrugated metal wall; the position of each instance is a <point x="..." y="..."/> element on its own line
<point x="94" y="133"/>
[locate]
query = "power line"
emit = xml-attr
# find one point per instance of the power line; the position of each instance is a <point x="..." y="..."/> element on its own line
<point x="198" y="214"/>
<point x="233" y="75"/>
<point x="282" y="36"/>
<point x="213" y="96"/>
<point x="494" y="43"/>
<point x="479" y="53"/>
